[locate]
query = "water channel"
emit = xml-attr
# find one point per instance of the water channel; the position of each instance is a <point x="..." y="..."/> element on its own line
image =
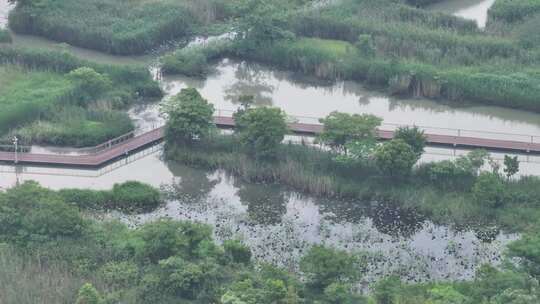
<point x="476" y="10"/>
<point x="276" y="222"/>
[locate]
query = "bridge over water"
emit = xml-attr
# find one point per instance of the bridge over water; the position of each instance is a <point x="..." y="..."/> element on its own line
<point x="105" y="153"/>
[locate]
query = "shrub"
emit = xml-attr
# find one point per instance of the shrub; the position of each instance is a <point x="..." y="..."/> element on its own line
<point x="395" y="158"/>
<point x="88" y="295"/>
<point x="324" y="266"/>
<point x="189" y="117"/>
<point x="414" y="137"/>
<point x="135" y="196"/>
<point x="261" y="130"/>
<point x="238" y="252"/>
<point x="489" y="190"/>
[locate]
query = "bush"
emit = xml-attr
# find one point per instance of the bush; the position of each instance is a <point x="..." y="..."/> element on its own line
<point x="237" y="252"/>
<point x="324" y="266"/>
<point x="135" y="196"/>
<point x="261" y="130"/>
<point x="189" y="117"/>
<point x="30" y="213"/>
<point x="5" y="36"/>
<point x="489" y="190"/>
<point x="395" y="158"/>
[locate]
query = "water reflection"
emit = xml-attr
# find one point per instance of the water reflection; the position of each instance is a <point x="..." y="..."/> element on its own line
<point x="469" y="9"/>
<point x="280" y="225"/>
<point x="303" y="96"/>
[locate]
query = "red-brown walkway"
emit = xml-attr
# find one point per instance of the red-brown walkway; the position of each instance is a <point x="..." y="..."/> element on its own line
<point x="107" y="155"/>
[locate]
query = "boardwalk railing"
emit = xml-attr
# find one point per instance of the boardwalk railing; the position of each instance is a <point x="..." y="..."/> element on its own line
<point x="310" y="126"/>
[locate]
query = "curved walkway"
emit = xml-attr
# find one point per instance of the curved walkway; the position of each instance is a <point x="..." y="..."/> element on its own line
<point x="110" y="153"/>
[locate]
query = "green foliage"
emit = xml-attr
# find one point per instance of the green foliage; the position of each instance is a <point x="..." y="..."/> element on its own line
<point x="323" y="266"/>
<point x="445" y="295"/>
<point x="414" y="137"/>
<point x="29" y="213"/>
<point x="511" y="165"/>
<point x="527" y="249"/>
<point x="341" y="129"/>
<point x="135" y="196"/>
<point x="88" y="295"/>
<point x="513" y="10"/>
<point x="89" y="84"/>
<point x="262" y="24"/>
<point x="237" y="252"/>
<point x="488" y="190"/>
<point x="261" y="130"/>
<point x="194" y="61"/>
<point x="189" y="117"/>
<point x="116" y="27"/>
<point x="130" y="196"/>
<point x="5" y="36"/>
<point x="386" y="290"/>
<point x="395" y="158"/>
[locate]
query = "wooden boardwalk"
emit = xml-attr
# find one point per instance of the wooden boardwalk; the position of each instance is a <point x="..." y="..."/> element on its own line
<point x="109" y="154"/>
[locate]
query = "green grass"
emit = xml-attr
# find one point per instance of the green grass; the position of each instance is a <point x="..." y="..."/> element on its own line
<point x="118" y="27"/>
<point x="25" y="95"/>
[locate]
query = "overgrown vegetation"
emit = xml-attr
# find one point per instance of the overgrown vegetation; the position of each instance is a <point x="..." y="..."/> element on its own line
<point x="409" y="51"/>
<point x="118" y="27"/>
<point x="53" y="98"/>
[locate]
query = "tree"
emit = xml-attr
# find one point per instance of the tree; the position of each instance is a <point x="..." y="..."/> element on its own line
<point x="366" y="46"/>
<point x="237" y="252"/>
<point x="263" y="23"/>
<point x="89" y="84"/>
<point x="488" y="190"/>
<point x="341" y="129"/>
<point x="527" y="249"/>
<point x="261" y="130"/>
<point x="324" y="266"/>
<point x="88" y="295"/>
<point x="189" y="117"/>
<point x="395" y="158"/>
<point x="445" y="295"/>
<point x="386" y="290"/>
<point x="511" y="166"/>
<point x="414" y="137"/>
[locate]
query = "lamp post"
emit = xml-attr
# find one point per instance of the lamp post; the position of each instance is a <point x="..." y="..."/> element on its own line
<point x="15" y="142"/>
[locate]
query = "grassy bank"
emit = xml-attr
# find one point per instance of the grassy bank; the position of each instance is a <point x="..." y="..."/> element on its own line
<point x="441" y="191"/>
<point x="45" y="103"/>
<point x="118" y="27"/>
<point x="389" y="44"/>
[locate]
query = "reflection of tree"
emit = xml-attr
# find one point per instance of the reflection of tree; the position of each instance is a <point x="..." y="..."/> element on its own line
<point x="391" y="219"/>
<point x="251" y="80"/>
<point x="387" y="217"/>
<point x="193" y="184"/>
<point x="262" y="94"/>
<point x="266" y="203"/>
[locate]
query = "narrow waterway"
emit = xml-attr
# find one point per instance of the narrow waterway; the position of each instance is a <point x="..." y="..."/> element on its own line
<point x="476" y="10"/>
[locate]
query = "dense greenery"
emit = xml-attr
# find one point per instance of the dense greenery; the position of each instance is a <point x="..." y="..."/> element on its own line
<point x="189" y="117"/>
<point x="5" y="36"/>
<point x="53" y="98"/>
<point x="409" y="51"/>
<point x="160" y="262"/>
<point x="118" y="27"/>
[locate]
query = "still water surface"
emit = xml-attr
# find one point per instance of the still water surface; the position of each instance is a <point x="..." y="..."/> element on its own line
<point x="469" y="9"/>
